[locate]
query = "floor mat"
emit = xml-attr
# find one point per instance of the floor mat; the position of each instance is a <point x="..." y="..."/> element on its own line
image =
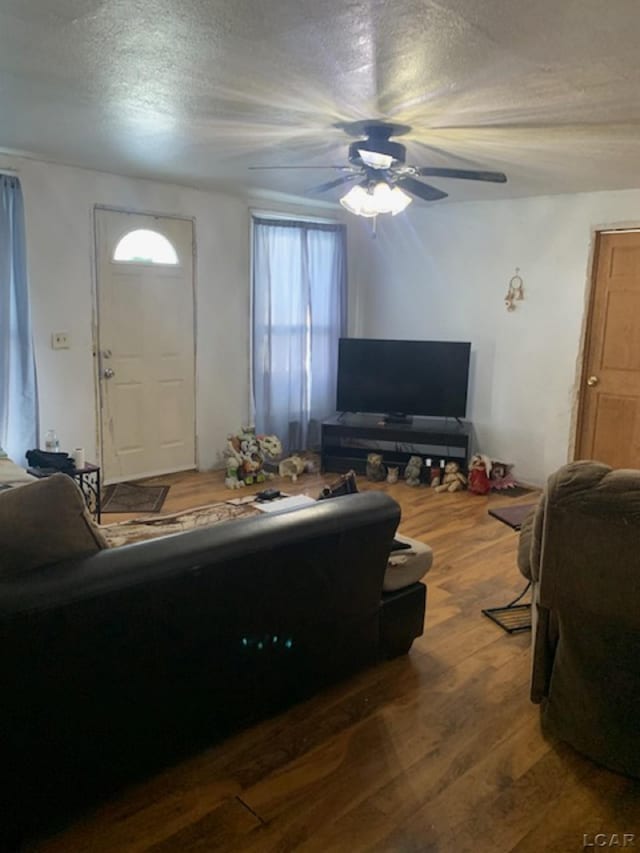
<point x="129" y="497"/>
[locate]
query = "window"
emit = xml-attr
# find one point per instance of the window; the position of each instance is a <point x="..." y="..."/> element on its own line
<point x="299" y="313"/>
<point x="143" y="246"/>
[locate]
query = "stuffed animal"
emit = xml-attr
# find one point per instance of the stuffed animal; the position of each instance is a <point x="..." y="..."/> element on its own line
<point x="392" y="474"/>
<point x="292" y="467"/>
<point x="233" y="461"/>
<point x="479" y="470"/>
<point x="412" y="471"/>
<point x="245" y="455"/>
<point x="376" y="470"/>
<point x="434" y="474"/>
<point x="453" y="480"/>
<point x="501" y="476"/>
<point x="270" y="446"/>
<point x="311" y="461"/>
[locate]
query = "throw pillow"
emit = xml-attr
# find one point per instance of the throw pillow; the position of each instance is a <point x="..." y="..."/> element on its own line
<point x="45" y="522"/>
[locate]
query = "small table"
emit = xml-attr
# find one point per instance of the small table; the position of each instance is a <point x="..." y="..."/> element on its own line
<point x="88" y="478"/>
<point x="512" y="617"/>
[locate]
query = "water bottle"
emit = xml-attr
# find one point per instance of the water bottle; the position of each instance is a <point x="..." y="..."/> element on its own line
<point x="51" y="442"/>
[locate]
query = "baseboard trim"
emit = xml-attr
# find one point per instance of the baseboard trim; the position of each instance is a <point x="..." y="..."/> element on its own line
<point x="147" y="476"/>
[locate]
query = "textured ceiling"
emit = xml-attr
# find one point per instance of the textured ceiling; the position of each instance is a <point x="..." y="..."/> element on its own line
<point x="546" y="90"/>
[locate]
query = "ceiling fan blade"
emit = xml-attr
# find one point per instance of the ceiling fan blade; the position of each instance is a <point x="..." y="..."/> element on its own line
<point x="424" y="191"/>
<point x="322" y="188"/>
<point x="465" y="174"/>
<point x="340" y="168"/>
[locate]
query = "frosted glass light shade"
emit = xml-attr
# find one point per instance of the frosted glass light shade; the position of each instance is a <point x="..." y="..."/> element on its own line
<point x="381" y="199"/>
<point x="358" y="201"/>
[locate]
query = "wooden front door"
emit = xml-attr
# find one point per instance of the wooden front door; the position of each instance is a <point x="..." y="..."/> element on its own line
<point x="609" y="417"/>
<point x="146" y="344"/>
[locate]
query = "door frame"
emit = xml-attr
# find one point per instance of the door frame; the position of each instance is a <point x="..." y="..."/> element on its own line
<point x="578" y="406"/>
<point x="95" y="318"/>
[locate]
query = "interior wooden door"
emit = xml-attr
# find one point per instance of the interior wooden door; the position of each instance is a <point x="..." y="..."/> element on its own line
<point x="146" y="348"/>
<point x="609" y="419"/>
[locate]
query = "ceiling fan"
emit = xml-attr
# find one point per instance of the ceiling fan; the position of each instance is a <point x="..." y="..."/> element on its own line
<point x="386" y="183"/>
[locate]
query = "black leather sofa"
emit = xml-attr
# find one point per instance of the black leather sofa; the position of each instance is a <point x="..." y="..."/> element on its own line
<point x="120" y="663"/>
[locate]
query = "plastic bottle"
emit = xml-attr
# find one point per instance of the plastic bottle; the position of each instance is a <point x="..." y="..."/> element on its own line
<point x="51" y="442"/>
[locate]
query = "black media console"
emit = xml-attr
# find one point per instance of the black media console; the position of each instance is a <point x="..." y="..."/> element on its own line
<point x="347" y="439"/>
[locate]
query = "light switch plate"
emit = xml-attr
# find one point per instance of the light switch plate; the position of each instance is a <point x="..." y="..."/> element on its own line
<point x="60" y="340"/>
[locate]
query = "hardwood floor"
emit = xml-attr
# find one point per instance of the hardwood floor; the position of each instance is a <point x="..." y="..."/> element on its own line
<point x="440" y="750"/>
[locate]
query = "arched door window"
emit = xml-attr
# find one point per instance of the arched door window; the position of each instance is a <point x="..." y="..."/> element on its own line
<point x="144" y="246"/>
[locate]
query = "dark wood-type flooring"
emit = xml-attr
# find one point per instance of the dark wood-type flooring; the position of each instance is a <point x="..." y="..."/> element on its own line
<point x="440" y="750"/>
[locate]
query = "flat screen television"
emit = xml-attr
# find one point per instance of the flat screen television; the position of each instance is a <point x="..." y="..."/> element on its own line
<point x="403" y="377"/>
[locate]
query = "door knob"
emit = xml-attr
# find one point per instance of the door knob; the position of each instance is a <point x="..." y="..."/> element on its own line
<point x="592" y="380"/>
<point x="108" y="373"/>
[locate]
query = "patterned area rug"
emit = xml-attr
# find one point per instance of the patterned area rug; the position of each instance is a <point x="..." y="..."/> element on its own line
<point x="129" y="497"/>
<point x="139" y="529"/>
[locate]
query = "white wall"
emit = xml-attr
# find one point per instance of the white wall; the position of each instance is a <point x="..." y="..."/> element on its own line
<point x="59" y="203"/>
<point x="442" y="273"/>
<point x="438" y="272"/>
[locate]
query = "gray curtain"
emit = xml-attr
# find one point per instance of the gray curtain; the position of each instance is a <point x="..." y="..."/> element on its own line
<point x="299" y="313"/>
<point x="18" y="395"/>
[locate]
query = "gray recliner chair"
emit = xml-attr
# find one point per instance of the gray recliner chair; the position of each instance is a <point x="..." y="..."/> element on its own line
<point x="581" y="550"/>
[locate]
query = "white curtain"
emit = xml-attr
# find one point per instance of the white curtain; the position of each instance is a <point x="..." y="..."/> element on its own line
<point x="18" y="395"/>
<point x="299" y="313"/>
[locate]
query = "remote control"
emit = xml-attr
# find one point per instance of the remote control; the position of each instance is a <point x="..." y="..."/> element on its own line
<point x="268" y="495"/>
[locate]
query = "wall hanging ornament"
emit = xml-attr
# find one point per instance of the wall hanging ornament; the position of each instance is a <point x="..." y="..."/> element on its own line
<point x="515" y="292"/>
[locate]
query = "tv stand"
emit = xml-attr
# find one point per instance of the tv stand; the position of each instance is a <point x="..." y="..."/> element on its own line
<point x="347" y="439"/>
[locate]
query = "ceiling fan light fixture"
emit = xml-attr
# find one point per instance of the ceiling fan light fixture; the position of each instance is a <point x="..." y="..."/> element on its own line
<point x="358" y="202"/>
<point x="381" y="198"/>
<point x="400" y="200"/>
<point x="374" y="159"/>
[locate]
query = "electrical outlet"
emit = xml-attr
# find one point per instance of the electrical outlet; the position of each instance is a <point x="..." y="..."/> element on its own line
<point x="60" y="340"/>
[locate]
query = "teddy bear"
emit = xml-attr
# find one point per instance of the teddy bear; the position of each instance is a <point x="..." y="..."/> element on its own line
<point x="412" y="471"/>
<point x="479" y="471"/>
<point x="453" y="480"/>
<point x="376" y="470"/>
